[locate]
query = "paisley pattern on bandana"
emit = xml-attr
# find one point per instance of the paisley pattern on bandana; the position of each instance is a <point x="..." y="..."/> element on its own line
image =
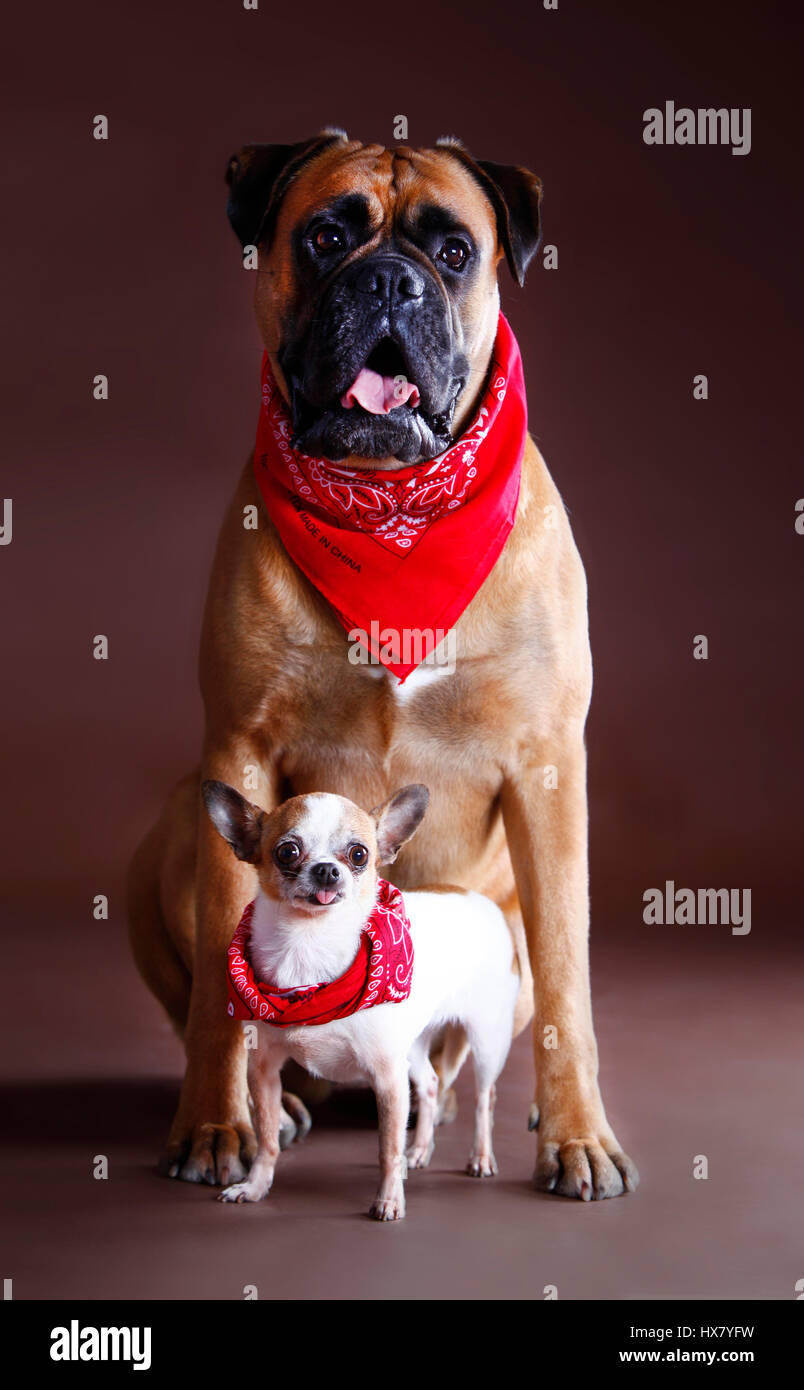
<point x="380" y="973"/>
<point x="405" y="550"/>
<point x="397" y="508"/>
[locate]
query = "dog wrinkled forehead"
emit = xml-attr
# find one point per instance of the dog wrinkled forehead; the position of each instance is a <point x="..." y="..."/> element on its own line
<point x="324" y="823"/>
<point x="392" y="182"/>
<point x="273" y="188"/>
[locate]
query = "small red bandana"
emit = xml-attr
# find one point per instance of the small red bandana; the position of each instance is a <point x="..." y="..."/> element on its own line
<point x="379" y="974"/>
<point x="368" y="541"/>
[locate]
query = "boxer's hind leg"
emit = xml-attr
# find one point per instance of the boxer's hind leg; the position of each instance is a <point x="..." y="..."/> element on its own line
<point x="166" y="970"/>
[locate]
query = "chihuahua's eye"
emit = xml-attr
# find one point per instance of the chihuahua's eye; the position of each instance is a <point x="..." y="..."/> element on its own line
<point x="327" y="238"/>
<point x="454" y="253"/>
<point x="357" y="856"/>
<point x="287" y="855"/>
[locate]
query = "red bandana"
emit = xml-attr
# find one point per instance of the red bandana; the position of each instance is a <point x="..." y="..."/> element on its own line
<point x="379" y="974"/>
<point x="367" y="539"/>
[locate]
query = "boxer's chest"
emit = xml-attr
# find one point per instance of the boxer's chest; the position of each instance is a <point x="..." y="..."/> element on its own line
<point x="361" y="725"/>
<point x="365" y="737"/>
<point x="336" y="719"/>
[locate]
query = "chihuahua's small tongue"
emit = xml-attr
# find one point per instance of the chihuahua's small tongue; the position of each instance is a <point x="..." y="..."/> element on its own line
<point x="325" y="895"/>
<point x="378" y="394"/>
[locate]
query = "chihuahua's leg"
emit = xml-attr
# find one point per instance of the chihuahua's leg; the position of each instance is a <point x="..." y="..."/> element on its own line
<point x="489" y="1026"/>
<point x="420" y="1150"/>
<point x="482" y="1163"/>
<point x="265" y="1085"/>
<point x="295" y="1121"/>
<point x="448" y="1057"/>
<point x="490" y="1040"/>
<point x="390" y="1082"/>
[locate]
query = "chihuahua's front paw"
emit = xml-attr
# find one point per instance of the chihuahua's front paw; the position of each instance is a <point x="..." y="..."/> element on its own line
<point x="419" y="1155"/>
<point x="244" y="1192"/>
<point x="388" y="1208"/>
<point x="482" y="1166"/>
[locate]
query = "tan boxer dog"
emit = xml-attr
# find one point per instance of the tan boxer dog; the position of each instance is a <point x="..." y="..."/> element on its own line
<point x="351" y="236"/>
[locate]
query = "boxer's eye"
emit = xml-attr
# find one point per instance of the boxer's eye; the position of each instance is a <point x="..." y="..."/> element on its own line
<point x="454" y="253"/>
<point x="358" y="856"/>
<point x="327" y="238"/>
<point x="288" y="854"/>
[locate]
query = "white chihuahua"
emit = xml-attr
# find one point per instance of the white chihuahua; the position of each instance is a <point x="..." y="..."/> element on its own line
<point x="352" y="981"/>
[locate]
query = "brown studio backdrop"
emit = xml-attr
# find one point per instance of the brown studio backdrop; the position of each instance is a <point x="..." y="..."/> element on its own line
<point x="672" y="262"/>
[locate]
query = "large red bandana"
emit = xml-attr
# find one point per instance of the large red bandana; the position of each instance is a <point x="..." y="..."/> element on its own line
<point x="379" y="974"/>
<point x="368" y="540"/>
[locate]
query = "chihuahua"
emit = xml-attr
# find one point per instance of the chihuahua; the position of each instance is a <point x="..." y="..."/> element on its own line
<point x="352" y="981"/>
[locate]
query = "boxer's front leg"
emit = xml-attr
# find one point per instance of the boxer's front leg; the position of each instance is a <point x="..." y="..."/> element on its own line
<point x="211" y="1139"/>
<point x="546" y="827"/>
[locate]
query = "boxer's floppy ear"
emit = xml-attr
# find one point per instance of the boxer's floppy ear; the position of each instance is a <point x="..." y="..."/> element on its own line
<point x="237" y="820"/>
<point x="519" y="218"/>
<point x="258" y="176"/>
<point x="516" y="196"/>
<point x="397" y="818"/>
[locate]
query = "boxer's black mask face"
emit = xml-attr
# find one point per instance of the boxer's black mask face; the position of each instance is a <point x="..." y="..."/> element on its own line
<point x="374" y="368"/>
<point x="379" y="286"/>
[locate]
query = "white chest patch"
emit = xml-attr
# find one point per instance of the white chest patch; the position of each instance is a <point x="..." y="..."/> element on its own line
<point x="418" y="680"/>
<point x="439" y="664"/>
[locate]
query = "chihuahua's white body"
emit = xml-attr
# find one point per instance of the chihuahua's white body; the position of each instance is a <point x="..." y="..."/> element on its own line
<point x="464" y="972"/>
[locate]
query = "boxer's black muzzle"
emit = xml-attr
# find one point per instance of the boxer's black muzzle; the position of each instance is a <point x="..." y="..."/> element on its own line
<point x="386" y="313"/>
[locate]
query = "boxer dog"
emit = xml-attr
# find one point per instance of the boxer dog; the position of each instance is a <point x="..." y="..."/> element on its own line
<point x="393" y="479"/>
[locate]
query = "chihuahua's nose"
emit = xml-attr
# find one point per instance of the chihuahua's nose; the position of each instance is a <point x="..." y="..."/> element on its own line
<point x="325" y="874"/>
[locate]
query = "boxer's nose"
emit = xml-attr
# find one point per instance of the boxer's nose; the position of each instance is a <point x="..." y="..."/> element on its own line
<point x="390" y="279"/>
<point x="325" y="874"/>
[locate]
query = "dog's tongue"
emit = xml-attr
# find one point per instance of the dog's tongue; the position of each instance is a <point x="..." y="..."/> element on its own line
<point x="378" y="394"/>
<point x="325" y="895"/>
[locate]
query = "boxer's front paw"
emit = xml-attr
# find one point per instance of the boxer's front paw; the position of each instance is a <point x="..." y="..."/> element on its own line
<point x="209" y="1152"/>
<point x="589" y="1168"/>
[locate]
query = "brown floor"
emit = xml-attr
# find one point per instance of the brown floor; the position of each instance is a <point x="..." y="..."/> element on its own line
<point x="699" y="1056"/>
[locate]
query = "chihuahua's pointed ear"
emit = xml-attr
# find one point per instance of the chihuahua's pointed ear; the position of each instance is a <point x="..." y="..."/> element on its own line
<point x="516" y="196"/>
<point x="258" y="176"/>
<point x="397" y="818"/>
<point x="237" y="820"/>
